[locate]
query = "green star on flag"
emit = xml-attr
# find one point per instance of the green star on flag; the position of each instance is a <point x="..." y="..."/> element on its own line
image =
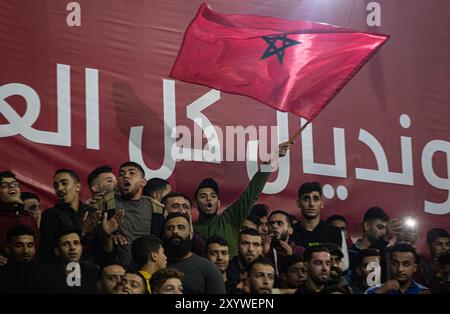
<point x="272" y="49"/>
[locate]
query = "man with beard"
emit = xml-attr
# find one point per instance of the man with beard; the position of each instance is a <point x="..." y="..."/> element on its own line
<point x="68" y="213"/>
<point x="260" y="276"/>
<point x="228" y="224"/>
<point x="374" y="231"/>
<point x="249" y="249"/>
<point x="12" y="211"/>
<point x="402" y="266"/>
<point x="140" y="217"/>
<point x="311" y="230"/>
<point x="68" y="249"/>
<point x="280" y="230"/>
<point x="22" y="274"/>
<point x="200" y="275"/>
<point x="109" y="278"/>
<point x="102" y="180"/>
<point x="317" y="262"/>
<point x="217" y="253"/>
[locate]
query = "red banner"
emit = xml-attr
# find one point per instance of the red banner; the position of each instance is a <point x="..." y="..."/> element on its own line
<point x="86" y="85"/>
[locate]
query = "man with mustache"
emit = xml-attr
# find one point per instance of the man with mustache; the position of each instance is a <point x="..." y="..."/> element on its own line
<point x="22" y="274"/>
<point x="68" y="249"/>
<point x="132" y="283"/>
<point x="12" y="211"/>
<point x="69" y="213"/>
<point x="228" y="224"/>
<point x="317" y="262"/>
<point x="402" y="266"/>
<point x="260" y="276"/>
<point x="200" y="275"/>
<point x="280" y="230"/>
<point x="336" y="273"/>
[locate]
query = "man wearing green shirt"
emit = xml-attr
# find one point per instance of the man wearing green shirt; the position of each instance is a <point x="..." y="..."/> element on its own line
<point x="228" y="223"/>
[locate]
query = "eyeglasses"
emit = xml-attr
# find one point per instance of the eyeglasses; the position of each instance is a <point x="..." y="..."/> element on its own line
<point x="9" y="185"/>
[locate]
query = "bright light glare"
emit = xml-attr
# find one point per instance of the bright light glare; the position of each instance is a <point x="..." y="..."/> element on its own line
<point x="410" y="222"/>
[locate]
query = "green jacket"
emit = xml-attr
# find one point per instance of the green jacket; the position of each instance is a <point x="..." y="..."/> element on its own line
<point x="228" y="223"/>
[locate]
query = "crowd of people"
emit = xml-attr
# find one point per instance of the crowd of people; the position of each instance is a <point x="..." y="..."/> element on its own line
<point x="134" y="236"/>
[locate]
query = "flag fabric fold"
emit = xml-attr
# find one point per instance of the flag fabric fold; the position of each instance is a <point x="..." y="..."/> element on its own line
<point x="292" y="66"/>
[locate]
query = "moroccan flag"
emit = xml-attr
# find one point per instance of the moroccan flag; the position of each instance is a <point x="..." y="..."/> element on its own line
<point x="293" y="66"/>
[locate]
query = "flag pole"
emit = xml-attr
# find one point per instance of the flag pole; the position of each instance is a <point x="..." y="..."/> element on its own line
<point x="296" y="134"/>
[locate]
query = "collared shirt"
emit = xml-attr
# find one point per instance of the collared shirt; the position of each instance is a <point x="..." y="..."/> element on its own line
<point x="414" y="288"/>
<point x="147" y="277"/>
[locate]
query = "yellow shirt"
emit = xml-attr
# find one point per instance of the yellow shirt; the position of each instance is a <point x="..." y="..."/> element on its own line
<point x="147" y="277"/>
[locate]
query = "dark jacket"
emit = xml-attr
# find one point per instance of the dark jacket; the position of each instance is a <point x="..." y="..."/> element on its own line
<point x="62" y="217"/>
<point x="21" y="278"/>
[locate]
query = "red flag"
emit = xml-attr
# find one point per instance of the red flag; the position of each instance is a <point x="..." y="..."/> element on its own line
<point x="293" y="66"/>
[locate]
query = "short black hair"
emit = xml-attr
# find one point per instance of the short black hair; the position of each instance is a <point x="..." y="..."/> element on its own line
<point x="143" y="246"/>
<point x="336" y="217"/>
<point x="251" y="232"/>
<point x="159" y="277"/>
<point x="19" y="230"/>
<point x="175" y="215"/>
<point x="254" y="219"/>
<point x="208" y="183"/>
<point x="288" y="261"/>
<point x="215" y="239"/>
<point x="98" y="171"/>
<point x="62" y="232"/>
<point x="310" y="250"/>
<point x="175" y="194"/>
<point x="29" y="195"/>
<point x="70" y="172"/>
<point x="282" y="212"/>
<point x="6" y="174"/>
<point x="155" y="185"/>
<point x="368" y="252"/>
<point x="133" y="164"/>
<point x="435" y="233"/>
<point x="259" y="260"/>
<point x="375" y="213"/>
<point x="404" y="248"/>
<point x="259" y="210"/>
<point x="309" y="187"/>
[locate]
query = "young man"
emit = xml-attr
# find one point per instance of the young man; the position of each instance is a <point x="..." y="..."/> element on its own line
<point x="12" y="211"/>
<point x="68" y="249"/>
<point x="369" y="261"/>
<point x="148" y="253"/>
<point x="109" y="278"/>
<point x="336" y="273"/>
<point x="340" y="222"/>
<point x="167" y="281"/>
<point x="374" y="233"/>
<point x="227" y="224"/>
<point x="262" y="212"/>
<point x="22" y="274"/>
<point x="311" y="230"/>
<point x="132" y="283"/>
<point x="217" y="253"/>
<point x="317" y="262"/>
<point x="402" y="266"/>
<point x="68" y="213"/>
<point x="102" y="180"/>
<point x="440" y="283"/>
<point x="201" y="276"/>
<point x="140" y="217"/>
<point x="280" y="230"/>
<point x="260" y="276"/>
<point x="32" y="204"/>
<point x="293" y="272"/>
<point x="249" y="249"/>
<point x="156" y="189"/>
<point x="438" y="244"/>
